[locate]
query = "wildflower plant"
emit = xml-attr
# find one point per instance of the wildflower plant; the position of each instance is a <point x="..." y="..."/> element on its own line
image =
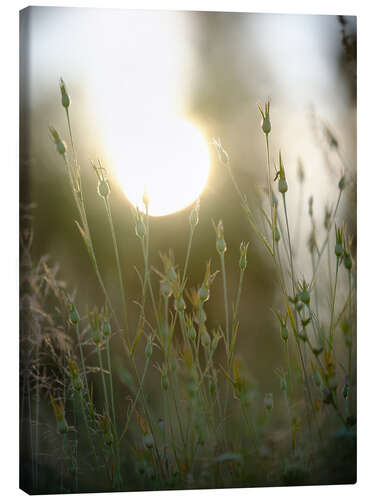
<point x="183" y="436"/>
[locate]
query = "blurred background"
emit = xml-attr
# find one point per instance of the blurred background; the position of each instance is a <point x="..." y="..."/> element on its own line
<point x="129" y="70"/>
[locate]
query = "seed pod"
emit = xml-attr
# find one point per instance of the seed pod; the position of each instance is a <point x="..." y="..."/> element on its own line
<point x="342" y="183"/>
<point x="277" y="234"/>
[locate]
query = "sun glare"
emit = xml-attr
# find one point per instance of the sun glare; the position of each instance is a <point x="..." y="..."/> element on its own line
<point x="169" y="159"/>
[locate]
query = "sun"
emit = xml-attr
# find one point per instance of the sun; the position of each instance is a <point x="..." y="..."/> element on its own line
<point x="168" y="158"/>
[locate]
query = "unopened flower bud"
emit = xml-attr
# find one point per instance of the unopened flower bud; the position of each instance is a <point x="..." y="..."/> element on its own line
<point x="106" y="328"/>
<point x="266" y="122"/>
<point x="194" y="215"/>
<point x="221" y="245"/>
<point x="74" y="316"/>
<point x="103" y="188"/>
<point x="205" y="337"/>
<point x="65" y="99"/>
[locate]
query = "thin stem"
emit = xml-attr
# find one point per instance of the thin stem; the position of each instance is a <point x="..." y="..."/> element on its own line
<point x="188" y="253"/>
<point x="331" y="324"/>
<point x="119" y="271"/>
<point x="225" y="290"/>
<point x="82" y="357"/>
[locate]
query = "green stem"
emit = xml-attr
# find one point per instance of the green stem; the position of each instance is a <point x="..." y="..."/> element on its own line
<point x="82" y="356"/>
<point x="331" y="324"/>
<point x="118" y="265"/>
<point x="188" y="253"/>
<point x="225" y="290"/>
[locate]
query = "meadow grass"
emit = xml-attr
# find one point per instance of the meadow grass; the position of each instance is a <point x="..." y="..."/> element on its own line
<point x="183" y="434"/>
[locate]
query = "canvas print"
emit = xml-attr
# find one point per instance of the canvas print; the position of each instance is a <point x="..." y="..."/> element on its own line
<point x="187" y="250"/>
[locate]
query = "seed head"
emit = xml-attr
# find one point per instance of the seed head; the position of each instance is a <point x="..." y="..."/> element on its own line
<point x="342" y="183"/>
